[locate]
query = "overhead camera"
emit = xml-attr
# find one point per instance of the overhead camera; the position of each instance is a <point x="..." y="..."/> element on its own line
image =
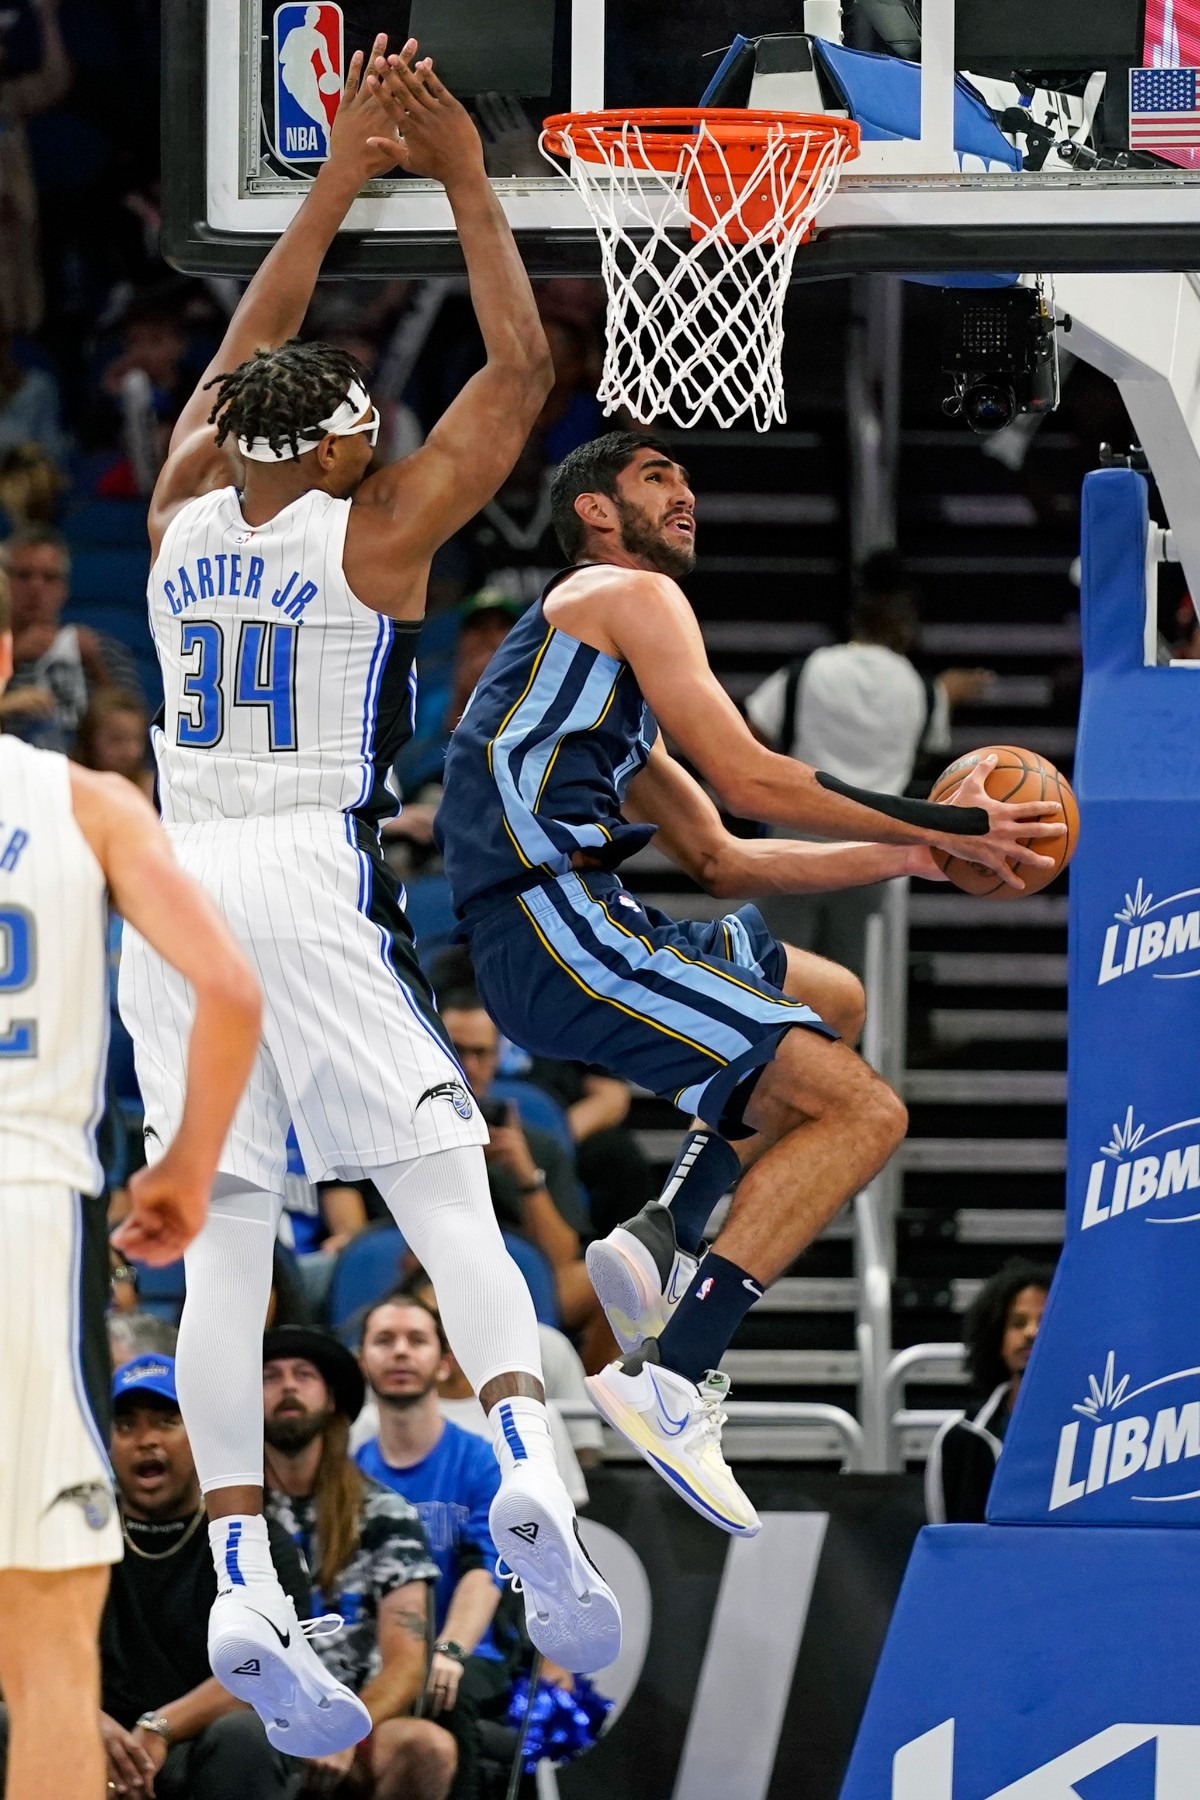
<point x="1000" y="349"/>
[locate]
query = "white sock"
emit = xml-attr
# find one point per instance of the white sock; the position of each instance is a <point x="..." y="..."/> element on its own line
<point x="241" y="1551"/>
<point x="521" y="1433"/>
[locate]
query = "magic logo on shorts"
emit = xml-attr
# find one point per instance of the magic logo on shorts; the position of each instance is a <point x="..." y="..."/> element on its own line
<point x="308" y="79"/>
<point x="1147" y="1435"/>
<point x="1158" y="1171"/>
<point x="1160" y="935"/>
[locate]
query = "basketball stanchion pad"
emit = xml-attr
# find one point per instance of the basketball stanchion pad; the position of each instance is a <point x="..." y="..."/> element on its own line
<point x="1021" y="1660"/>
<point x="1056" y="1645"/>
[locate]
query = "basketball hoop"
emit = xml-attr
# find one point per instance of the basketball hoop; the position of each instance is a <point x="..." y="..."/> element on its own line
<point x="695" y="327"/>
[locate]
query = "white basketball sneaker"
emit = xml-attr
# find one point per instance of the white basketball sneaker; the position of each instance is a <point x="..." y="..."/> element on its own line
<point x="677" y="1428"/>
<point x="571" y="1613"/>
<point x="260" y="1653"/>
<point x="640" y="1274"/>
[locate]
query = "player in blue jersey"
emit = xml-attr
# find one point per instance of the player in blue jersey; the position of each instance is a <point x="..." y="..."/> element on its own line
<point x="555" y="775"/>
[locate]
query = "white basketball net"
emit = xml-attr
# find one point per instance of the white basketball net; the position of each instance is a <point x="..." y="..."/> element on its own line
<point x="695" y="327"/>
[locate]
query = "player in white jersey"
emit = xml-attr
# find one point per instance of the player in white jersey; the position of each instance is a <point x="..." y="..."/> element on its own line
<point x="67" y="839"/>
<point x="285" y="609"/>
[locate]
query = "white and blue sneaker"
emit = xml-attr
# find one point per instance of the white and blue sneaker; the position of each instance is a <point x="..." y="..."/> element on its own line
<point x="571" y="1613"/>
<point x="640" y="1275"/>
<point x="260" y="1653"/>
<point x="676" y="1426"/>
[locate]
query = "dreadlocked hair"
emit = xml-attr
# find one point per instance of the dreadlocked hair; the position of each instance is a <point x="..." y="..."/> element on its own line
<point x="282" y="395"/>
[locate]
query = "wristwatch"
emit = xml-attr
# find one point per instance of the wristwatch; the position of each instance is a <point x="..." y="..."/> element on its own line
<point x="159" y="1724"/>
<point x="449" y="1648"/>
<point x="536" y="1185"/>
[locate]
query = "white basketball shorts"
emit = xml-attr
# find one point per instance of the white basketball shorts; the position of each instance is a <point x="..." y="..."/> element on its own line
<point x="57" y="1509"/>
<point x="353" y="1053"/>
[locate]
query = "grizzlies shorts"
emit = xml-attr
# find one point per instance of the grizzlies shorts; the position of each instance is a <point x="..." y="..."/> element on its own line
<point x="578" y="968"/>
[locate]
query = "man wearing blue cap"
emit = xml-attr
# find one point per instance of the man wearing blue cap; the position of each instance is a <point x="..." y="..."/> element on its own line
<point x="169" y="1728"/>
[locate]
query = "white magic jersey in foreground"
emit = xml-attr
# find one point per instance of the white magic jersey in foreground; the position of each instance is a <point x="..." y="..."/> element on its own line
<point x="53" y="977"/>
<point x="282" y="691"/>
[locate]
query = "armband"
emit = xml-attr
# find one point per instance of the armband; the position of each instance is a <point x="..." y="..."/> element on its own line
<point x="927" y="815"/>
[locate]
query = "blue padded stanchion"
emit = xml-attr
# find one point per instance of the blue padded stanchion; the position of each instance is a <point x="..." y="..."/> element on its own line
<point x="1101" y="1464"/>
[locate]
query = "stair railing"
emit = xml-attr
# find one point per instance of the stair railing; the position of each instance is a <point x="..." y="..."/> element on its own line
<point x="885" y="978"/>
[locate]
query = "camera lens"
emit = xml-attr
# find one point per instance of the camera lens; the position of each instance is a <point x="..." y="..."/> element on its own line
<point x="989" y="404"/>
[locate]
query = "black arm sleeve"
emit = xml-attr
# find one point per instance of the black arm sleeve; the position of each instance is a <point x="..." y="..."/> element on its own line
<point x="954" y="821"/>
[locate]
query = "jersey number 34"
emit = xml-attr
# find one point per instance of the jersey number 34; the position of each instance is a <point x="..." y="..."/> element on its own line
<point x="264" y="674"/>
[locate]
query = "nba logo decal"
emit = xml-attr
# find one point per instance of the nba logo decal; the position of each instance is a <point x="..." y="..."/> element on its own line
<point x="308" y="79"/>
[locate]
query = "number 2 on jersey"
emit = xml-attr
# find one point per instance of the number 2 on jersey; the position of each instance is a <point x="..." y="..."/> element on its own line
<point x="264" y="675"/>
<point x="18" y="965"/>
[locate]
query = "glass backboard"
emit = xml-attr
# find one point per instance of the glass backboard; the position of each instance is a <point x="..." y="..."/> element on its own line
<point x="1056" y="135"/>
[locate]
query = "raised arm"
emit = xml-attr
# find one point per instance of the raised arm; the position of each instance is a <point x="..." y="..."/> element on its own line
<point x="690" y="832"/>
<point x="364" y="142"/>
<point x="648" y="624"/>
<point x="414" y="505"/>
<point x="153" y="894"/>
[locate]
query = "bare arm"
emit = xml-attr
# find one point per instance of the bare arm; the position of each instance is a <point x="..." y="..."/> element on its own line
<point x="603" y="1103"/>
<point x="414" y="505"/>
<point x="402" y="1648"/>
<point x="690" y="832"/>
<point x="176" y="919"/>
<point x="192" y="1712"/>
<point x="472" y="1608"/>
<point x="25" y="95"/>
<point x="644" y="619"/>
<point x="273" y="307"/>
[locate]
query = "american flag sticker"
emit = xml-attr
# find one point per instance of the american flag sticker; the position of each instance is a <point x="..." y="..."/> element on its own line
<point x="1164" y="108"/>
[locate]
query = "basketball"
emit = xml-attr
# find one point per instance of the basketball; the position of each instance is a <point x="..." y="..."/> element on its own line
<point x="330" y="84"/>
<point x="1018" y="775"/>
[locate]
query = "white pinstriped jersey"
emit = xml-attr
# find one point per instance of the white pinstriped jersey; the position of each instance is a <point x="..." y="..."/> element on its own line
<point x="53" y="977"/>
<point x="283" y="692"/>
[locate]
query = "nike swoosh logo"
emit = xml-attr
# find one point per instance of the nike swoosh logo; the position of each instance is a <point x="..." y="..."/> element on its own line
<point x="754" y="1289"/>
<point x="285" y="1637"/>
<point x="673" y="1426"/>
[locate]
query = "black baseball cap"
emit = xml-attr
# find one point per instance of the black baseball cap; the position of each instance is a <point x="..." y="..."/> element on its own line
<point x="341" y="1371"/>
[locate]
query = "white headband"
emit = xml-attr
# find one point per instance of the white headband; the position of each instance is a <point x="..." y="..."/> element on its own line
<point x="345" y="419"/>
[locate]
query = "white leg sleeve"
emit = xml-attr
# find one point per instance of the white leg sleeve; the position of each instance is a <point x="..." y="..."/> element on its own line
<point x="444" y="1208"/>
<point x="218" y="1360"/>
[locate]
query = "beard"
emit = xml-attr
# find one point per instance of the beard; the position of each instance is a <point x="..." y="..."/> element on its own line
<point x="294" y="1432"/>
<point x="403" y="1402"/>
<point x="642" y="538"/>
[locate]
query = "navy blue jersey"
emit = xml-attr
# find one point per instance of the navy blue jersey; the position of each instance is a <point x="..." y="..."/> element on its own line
<point x="538" y="767"/>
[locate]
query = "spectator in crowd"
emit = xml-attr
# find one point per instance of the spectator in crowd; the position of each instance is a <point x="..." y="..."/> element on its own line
<point x="451" y="1477"/>
<point x="998" y="1333"/>
<point x="370" y="1563"/>
<point x="132" y="1335"/>
<point x="534" y="1190"/>
<point x="30" y="486"/>
<point x="577" y="1445"/>
<point x="608" y="1159"/>
<point x="485" y="620"/>
<point x="30" y="408"/>
<point x="56" y="666"/>
<point x="114" y="736"/>
<point x="24" y="92"/>
<point x="169" y="1728"/>
<point x="862" y="712"/>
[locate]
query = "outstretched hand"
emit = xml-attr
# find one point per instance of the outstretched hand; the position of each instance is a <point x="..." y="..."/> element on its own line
<point x="1013" y="825"/>
<point x="430" y="134"/>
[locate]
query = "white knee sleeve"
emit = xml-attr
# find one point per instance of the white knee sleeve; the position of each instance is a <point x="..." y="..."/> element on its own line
<point x="443" y="1206"/>
<point x="218" y="1368"/>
